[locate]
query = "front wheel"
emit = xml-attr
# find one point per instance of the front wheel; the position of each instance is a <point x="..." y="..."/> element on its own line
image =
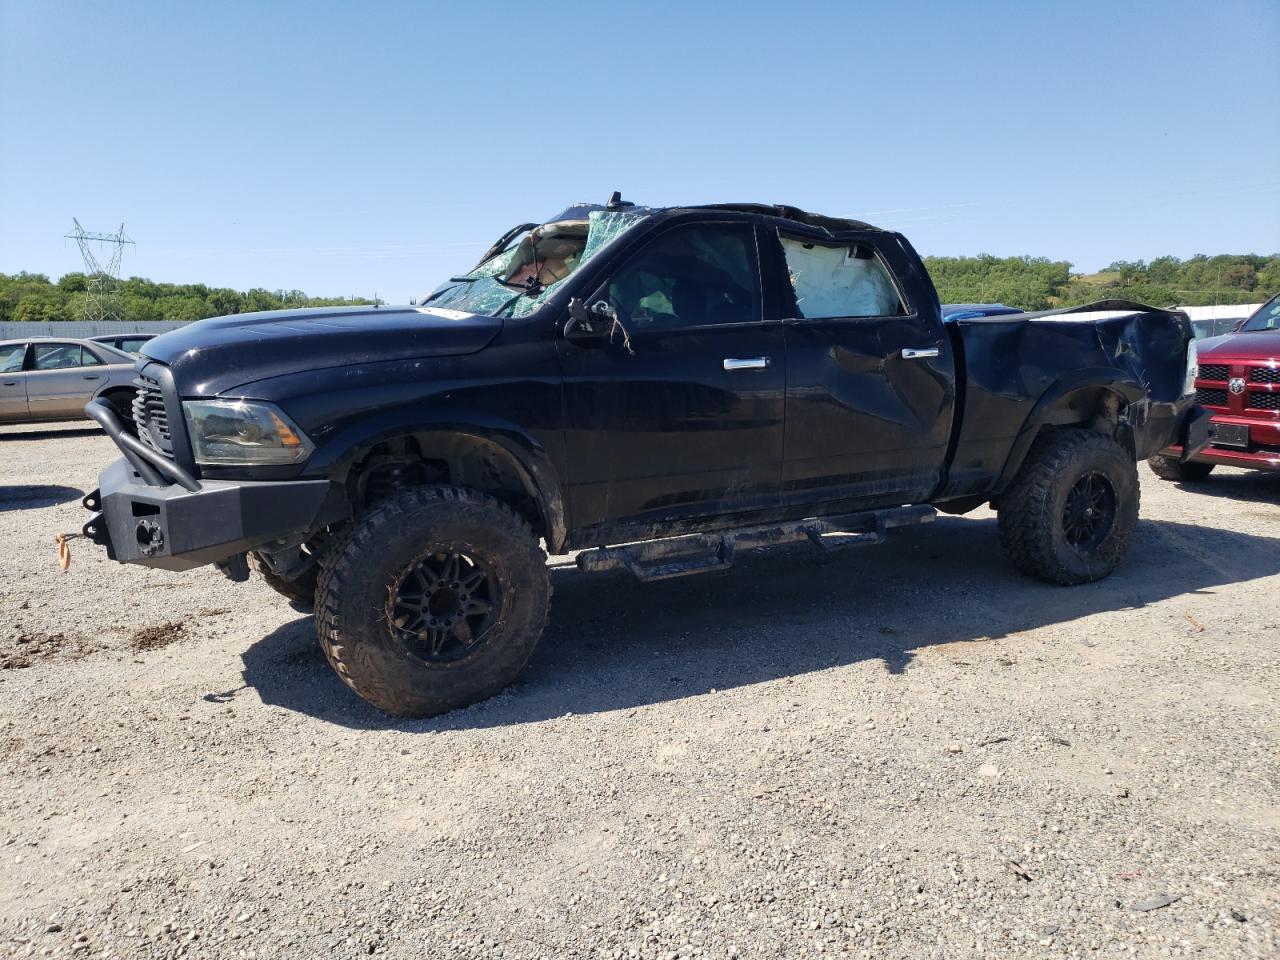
<point x="1168" y="468"/>
<point x="433" y="601"/>
<point x="1070" y="513"/>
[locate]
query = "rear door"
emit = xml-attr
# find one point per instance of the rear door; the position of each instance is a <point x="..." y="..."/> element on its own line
<point x="13" y="382"/>
<point x="62" y="379"/>
<point x="870" y="375"/>
<point x="686" y="421"/>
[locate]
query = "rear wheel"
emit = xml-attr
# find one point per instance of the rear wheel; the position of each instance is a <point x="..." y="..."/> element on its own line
<point x="1070" y="513"/>
<point x="434" y="600"/>
<point x="1168" y="468"/>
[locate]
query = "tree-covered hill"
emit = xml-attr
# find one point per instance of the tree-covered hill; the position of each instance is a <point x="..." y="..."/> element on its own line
<point x="34" y="297"/>
<point x="1033" y="283"/>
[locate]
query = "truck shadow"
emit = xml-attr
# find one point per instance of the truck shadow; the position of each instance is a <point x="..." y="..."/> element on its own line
<point x="33" y="496"/>
<point x="74" y="428"/>
<point x="1255" y="486"/>
<point x="614" y="644"/>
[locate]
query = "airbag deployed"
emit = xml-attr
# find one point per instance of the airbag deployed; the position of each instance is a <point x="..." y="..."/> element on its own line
<point x="841" y="281"/>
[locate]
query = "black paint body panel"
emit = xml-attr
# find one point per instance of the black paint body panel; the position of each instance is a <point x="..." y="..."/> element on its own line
<point x="620" y="446"/>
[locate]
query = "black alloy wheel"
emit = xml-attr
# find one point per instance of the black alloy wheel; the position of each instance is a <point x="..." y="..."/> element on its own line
<point x="443" y="607"/>
<point x="1089" y="512"/>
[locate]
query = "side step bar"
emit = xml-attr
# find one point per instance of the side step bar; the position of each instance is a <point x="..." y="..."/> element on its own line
<point x="703" y="553"/>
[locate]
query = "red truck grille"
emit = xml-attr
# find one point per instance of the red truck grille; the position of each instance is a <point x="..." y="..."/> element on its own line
<point x="1242" y="388"/>
<point x="1243" y="399"/>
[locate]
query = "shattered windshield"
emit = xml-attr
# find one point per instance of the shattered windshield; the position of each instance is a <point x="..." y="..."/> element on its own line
<point x="520" y="278"/>
<point x="1267" y="317"/>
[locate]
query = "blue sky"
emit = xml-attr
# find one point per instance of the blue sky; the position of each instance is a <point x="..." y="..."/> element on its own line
<point x="345" y="148"/>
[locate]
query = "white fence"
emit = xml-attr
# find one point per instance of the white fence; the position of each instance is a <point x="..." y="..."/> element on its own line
<point x="1231" y="311"/>
<point x="82" y="328"/>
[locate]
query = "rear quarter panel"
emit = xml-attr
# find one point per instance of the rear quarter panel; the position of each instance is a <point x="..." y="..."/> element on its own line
<point x="1019" y="374"/>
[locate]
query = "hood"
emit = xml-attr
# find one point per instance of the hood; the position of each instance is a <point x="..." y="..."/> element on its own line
<point x="1256" y="345"/>
<point x="210" y="356"/>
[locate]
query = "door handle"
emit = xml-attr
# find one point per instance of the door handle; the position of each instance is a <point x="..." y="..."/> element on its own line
<point x="908" y="353"/>
<point x="11" y="383"/>
<point x="91" y="376"/>
<point x="746" y="363"/>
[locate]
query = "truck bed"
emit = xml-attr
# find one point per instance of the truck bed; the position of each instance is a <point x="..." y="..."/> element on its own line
<point x="1010" y="367"/>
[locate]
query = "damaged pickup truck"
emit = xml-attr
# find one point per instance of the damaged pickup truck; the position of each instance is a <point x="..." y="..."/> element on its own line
<point x="657" y="388"/>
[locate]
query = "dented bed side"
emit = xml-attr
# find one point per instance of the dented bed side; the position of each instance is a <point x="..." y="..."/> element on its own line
<point x="1118" y="365"/>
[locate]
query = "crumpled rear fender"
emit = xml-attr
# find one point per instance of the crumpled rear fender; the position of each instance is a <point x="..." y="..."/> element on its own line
<point x="1117" y="366"/>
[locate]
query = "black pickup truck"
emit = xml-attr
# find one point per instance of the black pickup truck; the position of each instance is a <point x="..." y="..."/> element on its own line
<point x="655" y="387"/>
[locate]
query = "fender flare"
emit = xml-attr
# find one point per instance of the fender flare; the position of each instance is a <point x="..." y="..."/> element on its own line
<point x="338" y="453"/>
<point x="1054" y="408"/>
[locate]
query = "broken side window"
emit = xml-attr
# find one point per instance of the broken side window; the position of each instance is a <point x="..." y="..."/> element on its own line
<point x="845" y="280"/>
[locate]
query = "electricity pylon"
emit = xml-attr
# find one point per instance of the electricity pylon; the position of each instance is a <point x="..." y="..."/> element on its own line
<point x="102" y="295"/>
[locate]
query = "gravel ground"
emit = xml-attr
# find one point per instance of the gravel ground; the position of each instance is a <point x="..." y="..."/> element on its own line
<point x="908" y="751"/>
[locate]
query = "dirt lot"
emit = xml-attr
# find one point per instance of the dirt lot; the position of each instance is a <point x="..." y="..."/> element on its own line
<point x="904" y="751"/>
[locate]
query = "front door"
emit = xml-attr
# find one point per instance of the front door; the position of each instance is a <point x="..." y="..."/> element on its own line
<point x="870" y="378"/>
<point x="62" y="379"/>
<point x="13" y="383"/>
<point x="678" y="414"/>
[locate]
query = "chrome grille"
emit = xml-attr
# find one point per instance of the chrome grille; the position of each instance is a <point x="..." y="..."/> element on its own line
<point x="1214" y="371"/>
<point x="1264" y="401"/>
<point x="1264" y="375"/>
<point x="1210" y="397"/>
<point x="150" y="415"/>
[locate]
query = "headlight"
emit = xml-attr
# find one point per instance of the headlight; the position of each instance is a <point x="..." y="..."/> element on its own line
<point x="1193" y="368"/>
<point x="243" y="432"/>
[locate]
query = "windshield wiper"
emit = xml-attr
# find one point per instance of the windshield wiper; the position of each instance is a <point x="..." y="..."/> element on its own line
<point x="506" y="304"/>
<point x="441" y="293"/>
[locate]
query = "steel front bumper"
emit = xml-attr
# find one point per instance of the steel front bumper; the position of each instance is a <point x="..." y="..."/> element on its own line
<point x="177" y="529"/>
<point x="141" y="517"/>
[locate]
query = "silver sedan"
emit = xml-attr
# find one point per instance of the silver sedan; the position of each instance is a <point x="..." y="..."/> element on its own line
<point x="48" y="378"/>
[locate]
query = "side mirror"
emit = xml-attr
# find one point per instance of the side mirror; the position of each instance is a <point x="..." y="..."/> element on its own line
<point x="587" y="322"/>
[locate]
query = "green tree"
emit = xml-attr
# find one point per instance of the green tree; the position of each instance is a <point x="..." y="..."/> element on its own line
<point x="40" y="307"/>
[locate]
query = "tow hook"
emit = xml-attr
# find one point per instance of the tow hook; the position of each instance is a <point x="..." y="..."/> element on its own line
<point x="150" y="537"/>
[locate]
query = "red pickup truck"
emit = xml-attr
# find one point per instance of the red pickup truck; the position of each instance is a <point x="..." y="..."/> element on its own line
<point x="1238" y="382"/>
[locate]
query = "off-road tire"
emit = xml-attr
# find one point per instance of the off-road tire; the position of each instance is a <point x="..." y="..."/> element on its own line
<point x="301" y="591"/>
<point x="1033" y="530"/>
<point x="1168" y="468"/>
<point x="359" y="574"/>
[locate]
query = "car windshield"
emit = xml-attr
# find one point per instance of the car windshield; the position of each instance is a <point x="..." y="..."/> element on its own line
<point x="114" y="354"/>
<point x="1267" y="316"/>
<point x="527" y="272"/>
